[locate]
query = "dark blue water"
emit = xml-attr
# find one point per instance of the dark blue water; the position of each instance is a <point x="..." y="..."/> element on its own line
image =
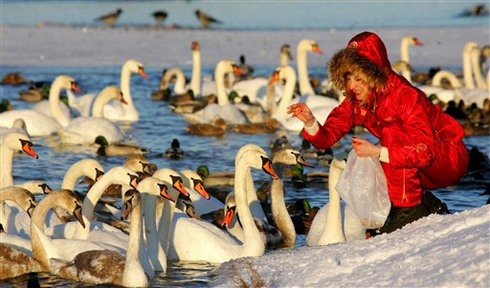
<point x="251" y="15"/>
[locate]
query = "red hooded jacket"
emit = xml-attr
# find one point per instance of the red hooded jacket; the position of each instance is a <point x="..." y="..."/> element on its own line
<point x="424" y="144"/>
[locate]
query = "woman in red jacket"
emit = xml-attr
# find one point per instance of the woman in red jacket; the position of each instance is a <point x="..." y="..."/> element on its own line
<point x="421" y="146"/>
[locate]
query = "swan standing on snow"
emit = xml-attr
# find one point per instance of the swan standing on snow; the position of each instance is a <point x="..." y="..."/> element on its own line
<point x="111" y="267"/>
<point x="335" y="223"/>
<point x="39" y="124"/>
<point x="214" y="245"/>
<point x="83" y="130"/>
<point x="15" y="261"/>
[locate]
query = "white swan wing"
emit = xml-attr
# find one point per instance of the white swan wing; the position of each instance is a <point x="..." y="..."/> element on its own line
<point x="37" y="124"/>
<point x="84" y="130"/>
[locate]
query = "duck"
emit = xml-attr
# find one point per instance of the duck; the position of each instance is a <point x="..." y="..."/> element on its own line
<point x="335" y="223"/>
<point x="5" y="105"/>
<point x="302" y="220"/>
<point x="13" y="78"/>
<point x="110" y="18"/>
<point x="174" y="152"/>
<point x="118" y="148"/>
<point x="16" y="259"/>
<point x="83" y="130"/>
<point x="36" y="92"/>
<point x="270" y="126"/>
<point x="38" y="124"/>
<point x="215" y="245"/>
<point x="217" y="128"/>
<point x="300" y="179"/>
<point x="205" y="19"/>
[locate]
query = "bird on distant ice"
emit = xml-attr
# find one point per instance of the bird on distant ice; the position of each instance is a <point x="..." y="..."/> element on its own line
<point x="160" y="16"/>
<point x="205" y="19"/>
<point x="110" y="18"/>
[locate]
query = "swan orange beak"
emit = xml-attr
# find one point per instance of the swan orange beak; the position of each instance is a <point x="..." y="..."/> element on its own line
<point x="27" y="147"/>
<point x="180" y="186"/>
<point x="274" y="77"/>
<point x="229" y="214"/>
<point x="31" y="209"/>
<point x="418" y="43"/>
<point x="164" y="192"/>
<point x="237" y="70"/>
<point x="134" y="181"/>
<point x="267" y="167"/>
<point x="317" y="49"/>
<point x="199" y="187"/>
<point x="98" y="174"/>
<point x="123" y="100"/>
<point x="74" y="87"/>
<point x="141" y="71"/>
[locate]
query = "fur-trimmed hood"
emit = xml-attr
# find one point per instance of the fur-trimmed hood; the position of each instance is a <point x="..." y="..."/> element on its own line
<point x="367" y="53"/>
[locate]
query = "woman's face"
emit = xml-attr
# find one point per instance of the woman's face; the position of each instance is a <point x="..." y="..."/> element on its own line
<point x="360" y="88"/>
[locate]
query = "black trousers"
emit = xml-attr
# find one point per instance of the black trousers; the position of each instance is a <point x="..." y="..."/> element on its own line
<point x="401" y="216"/>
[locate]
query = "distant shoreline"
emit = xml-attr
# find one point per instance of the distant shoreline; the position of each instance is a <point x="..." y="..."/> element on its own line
<point x="84" y="46"/>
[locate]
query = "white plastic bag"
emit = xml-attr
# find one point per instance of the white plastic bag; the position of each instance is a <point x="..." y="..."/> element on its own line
<point x="362" y="186"/>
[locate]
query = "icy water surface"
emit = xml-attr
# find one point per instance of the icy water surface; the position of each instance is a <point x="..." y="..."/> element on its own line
<point x="155" y="130"/>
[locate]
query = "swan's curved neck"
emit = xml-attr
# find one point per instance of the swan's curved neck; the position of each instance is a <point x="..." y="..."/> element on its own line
<point x="132" y="260"/>
<point x="54" y="104"/>
<point x="253" y="243"/>
<point x="280" y="212"/>
<point x="304" y="81"/>
<point x="165" y="222"/>
<point x="333" y="231"/>
<point x="476" y="68"/>
<point x="467" y="70"/>
<point x="281" y="111"/>
<point x="37" y="221"/>
<point x="126" y="90"/>
<point x="219" y="78"/>
<point x="149" y="202"/>
<point x="404" y="54"/>
<point x="7" y="160"/>
<point x="100" y="101"/>
<point x="88" y="206"/>
<point x="196" y="72"/>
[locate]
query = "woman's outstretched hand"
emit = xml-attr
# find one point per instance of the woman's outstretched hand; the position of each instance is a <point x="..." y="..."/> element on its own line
<point x="365" y="148"/>
<point x="303" y="113"/>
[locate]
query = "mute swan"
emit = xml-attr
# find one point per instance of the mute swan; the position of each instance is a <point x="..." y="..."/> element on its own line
<point x="151" y="188"/>
<point x="281" y="160"/>
<point x="14" y="141"/>
<point x="335" y="223"/>
<point x="83" y="130"/>
<point x="16" y="261"/>
<point x="114" y="111"/>
<point x="24" y="199"/>
<point x="406" y="42"/>
<point x="224" y="108"/>
<point x="111" y="267"/>
<point x="39" y="124"/>
<point x="214" y="245"/>
<point x="321" y="112"/>
<point x="305" y="46"/>
<point x="19" y="125"/>
<point x="285" y="55"/>
<point x="203" y="203"/>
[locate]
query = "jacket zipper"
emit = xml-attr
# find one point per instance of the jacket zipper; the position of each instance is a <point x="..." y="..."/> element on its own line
<point x="404" y="195"/>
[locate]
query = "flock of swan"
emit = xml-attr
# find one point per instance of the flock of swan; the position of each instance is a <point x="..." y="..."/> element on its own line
<point x="56" y="231"/>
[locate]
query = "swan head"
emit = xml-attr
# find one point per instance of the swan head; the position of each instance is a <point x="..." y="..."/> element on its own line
<point x="19" y="141"/>
<point x="135" y="66"/>
<point x="194" y="181"/>
<point x="23" y="197"/>
<point x="154" y="186"/>
<point x="131" y="199"/>
<point x="172" y="179"/>
<point x="123" y="173"/>
<point x="139" y="164"/>
<point x="230" y="209"/>
<point x="309" y="45"/>
<point x="66" y="82"/>
<point x="195" y="46"/>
